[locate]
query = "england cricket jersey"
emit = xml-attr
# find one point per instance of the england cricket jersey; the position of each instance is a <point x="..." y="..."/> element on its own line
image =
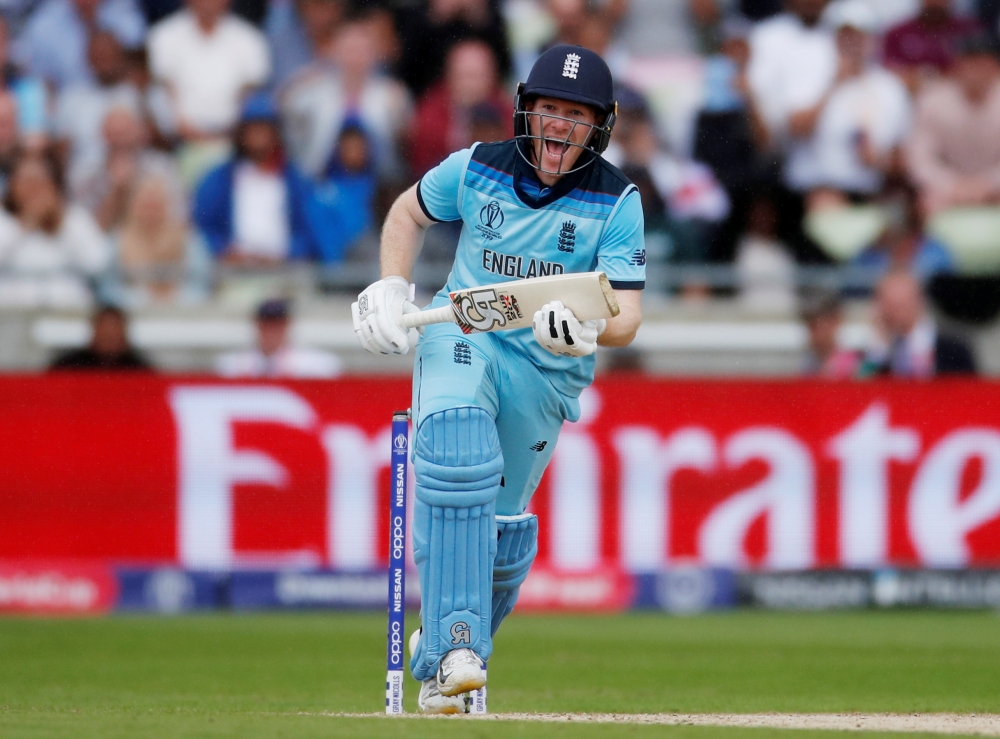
<point x="514" y="228"/>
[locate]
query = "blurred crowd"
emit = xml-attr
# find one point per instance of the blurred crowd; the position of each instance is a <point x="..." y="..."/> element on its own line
<point x="144" y="144"/>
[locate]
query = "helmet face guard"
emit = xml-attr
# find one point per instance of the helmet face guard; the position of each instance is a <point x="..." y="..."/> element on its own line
<point x="594" y="144"/>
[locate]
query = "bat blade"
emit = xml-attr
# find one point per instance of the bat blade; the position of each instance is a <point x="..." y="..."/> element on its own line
<point x="511" y="305"/>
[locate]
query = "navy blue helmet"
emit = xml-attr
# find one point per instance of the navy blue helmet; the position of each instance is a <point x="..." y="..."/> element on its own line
<point x="569" y="73"/>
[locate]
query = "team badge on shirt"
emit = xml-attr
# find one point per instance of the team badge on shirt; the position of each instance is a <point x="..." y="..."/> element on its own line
<point x="567" y="237"/>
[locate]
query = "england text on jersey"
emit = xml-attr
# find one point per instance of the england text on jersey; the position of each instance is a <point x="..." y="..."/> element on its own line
<point x="510" y="265"/>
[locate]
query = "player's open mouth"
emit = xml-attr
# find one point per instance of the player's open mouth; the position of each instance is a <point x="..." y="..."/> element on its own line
<point x="555" y="149"/>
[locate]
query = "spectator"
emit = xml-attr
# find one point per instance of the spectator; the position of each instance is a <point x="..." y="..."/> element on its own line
<point x="924" y="47"/>
<point x="758" y="10"/>
<point x="428" y="31"/>
<point x="16" y="13"/>
<point x="10" y="139"/>
<point x="297" y="30"/>
<point x="274" y="355"/>
<point x="109" y="348"/>
<point x="851" y="139"/>
<point x="345" y="84"/>
<point x="954" y="152"/>
<point x="254" y="209"/>
<point x="907" y="342"/>
<point x="598" y="35"/>
<point x="678" y="28"/>
<point x="681" y="194"/>
<point x="575" y="23"/>
<point x="208" y="58"/>
<point x="29" y="91"/>
<point x="904" y="245"/>
<point x="107" y="186"/>
<point x="580" y="23"/>
<point x="159" y="258"/>
<point x="822" y="313"/>
<point x="347" y="192"/>
<point x="764" y="270"/>
<point x="83" y="106"/>
<point x="441" y="123"/>
<point x="487" y="123"/>
<point x="569" y="18"/>
<point x="793" y="63"/>
<point x="54" y="42"/>
<point x="49" y="249"/>
<point x="252" y="11"/>
<point x="158" y="107"/>
<point x="729" y="135"/>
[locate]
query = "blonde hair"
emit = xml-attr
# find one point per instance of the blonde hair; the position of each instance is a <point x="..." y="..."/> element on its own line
<point x="152" y="252"/>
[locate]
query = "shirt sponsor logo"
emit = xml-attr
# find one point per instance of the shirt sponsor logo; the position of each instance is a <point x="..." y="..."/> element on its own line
<point x="510" y="265"/>
<point x="491" y="218"/>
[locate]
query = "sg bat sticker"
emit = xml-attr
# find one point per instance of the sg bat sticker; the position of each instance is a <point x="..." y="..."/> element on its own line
<point x="485" y="309"/>
<point x="510" y="305"/>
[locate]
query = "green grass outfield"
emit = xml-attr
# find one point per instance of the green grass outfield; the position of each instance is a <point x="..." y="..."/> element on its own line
<point x="271" y="675"/>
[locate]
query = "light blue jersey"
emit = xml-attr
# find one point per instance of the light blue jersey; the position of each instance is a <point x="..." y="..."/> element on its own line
<point x="488" y="408"/>
<point x="514" y="228"/>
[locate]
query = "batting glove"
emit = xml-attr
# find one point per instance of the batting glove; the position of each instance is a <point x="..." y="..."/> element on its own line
<point x="378" y="316"/>
<point x="559" y="332"/>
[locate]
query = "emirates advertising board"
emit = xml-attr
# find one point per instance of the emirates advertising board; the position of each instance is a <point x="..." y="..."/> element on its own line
<point x="274" y="493"/>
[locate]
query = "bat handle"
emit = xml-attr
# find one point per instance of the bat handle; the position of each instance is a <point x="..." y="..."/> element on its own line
<point x="444" y="314"/>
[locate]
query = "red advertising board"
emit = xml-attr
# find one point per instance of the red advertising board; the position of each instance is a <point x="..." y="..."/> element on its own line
<point x="208" y="474"/>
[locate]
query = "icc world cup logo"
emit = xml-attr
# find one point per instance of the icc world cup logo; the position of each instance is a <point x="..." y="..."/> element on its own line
<point x="399" y="442"/>
<point x="491" y="215"/>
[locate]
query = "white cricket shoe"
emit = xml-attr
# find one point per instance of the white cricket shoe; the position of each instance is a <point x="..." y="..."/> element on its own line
<point x="430" y="700"/>
<point x="460" y="671"/>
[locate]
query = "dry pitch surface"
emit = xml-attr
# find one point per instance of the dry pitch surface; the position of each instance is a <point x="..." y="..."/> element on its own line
<point x="929" y="723"/>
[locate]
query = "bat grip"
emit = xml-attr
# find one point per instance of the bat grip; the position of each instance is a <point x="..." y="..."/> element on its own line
<point x="444" y="314"/>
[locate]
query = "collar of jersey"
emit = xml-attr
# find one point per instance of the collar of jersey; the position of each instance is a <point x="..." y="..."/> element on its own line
<point x="525" y="175"/>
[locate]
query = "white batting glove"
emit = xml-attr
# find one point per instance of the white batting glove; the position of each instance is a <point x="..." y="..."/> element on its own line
<point x="378" y="316"/>
<point x="558" y="331"/>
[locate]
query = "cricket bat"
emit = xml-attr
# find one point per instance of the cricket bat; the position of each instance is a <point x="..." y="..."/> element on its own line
<point x="509" y="305"/>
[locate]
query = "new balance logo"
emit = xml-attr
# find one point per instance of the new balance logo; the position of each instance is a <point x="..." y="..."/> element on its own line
<point x="463" y="353"/>
<point x="638" y="258"/>
<point x="571" y="66"/>
<point x="538" y="446"/>
<point x="567" y="237"/>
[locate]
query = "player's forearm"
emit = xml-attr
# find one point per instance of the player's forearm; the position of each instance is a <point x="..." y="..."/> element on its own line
<point x="402" y="236"/>
<point x="622" y="328"/>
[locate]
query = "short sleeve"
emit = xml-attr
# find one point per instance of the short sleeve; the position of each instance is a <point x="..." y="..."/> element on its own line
<point x="621" y="254"/>
<point x="438" y="190"/>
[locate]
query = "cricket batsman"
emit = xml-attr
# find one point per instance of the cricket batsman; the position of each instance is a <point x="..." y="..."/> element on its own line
<point x="487" y="407"/>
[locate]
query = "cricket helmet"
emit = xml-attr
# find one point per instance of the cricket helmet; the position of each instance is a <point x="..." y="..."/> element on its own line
<point x="569" y="73"/>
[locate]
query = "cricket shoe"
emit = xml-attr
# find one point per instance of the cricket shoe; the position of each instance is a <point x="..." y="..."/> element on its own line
<point x="460" y="671"/>
<point x="430" y="700"/>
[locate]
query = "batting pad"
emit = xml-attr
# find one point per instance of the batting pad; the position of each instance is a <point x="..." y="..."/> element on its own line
<point x="457" y="464"/>
<point x="517" y="545"/>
